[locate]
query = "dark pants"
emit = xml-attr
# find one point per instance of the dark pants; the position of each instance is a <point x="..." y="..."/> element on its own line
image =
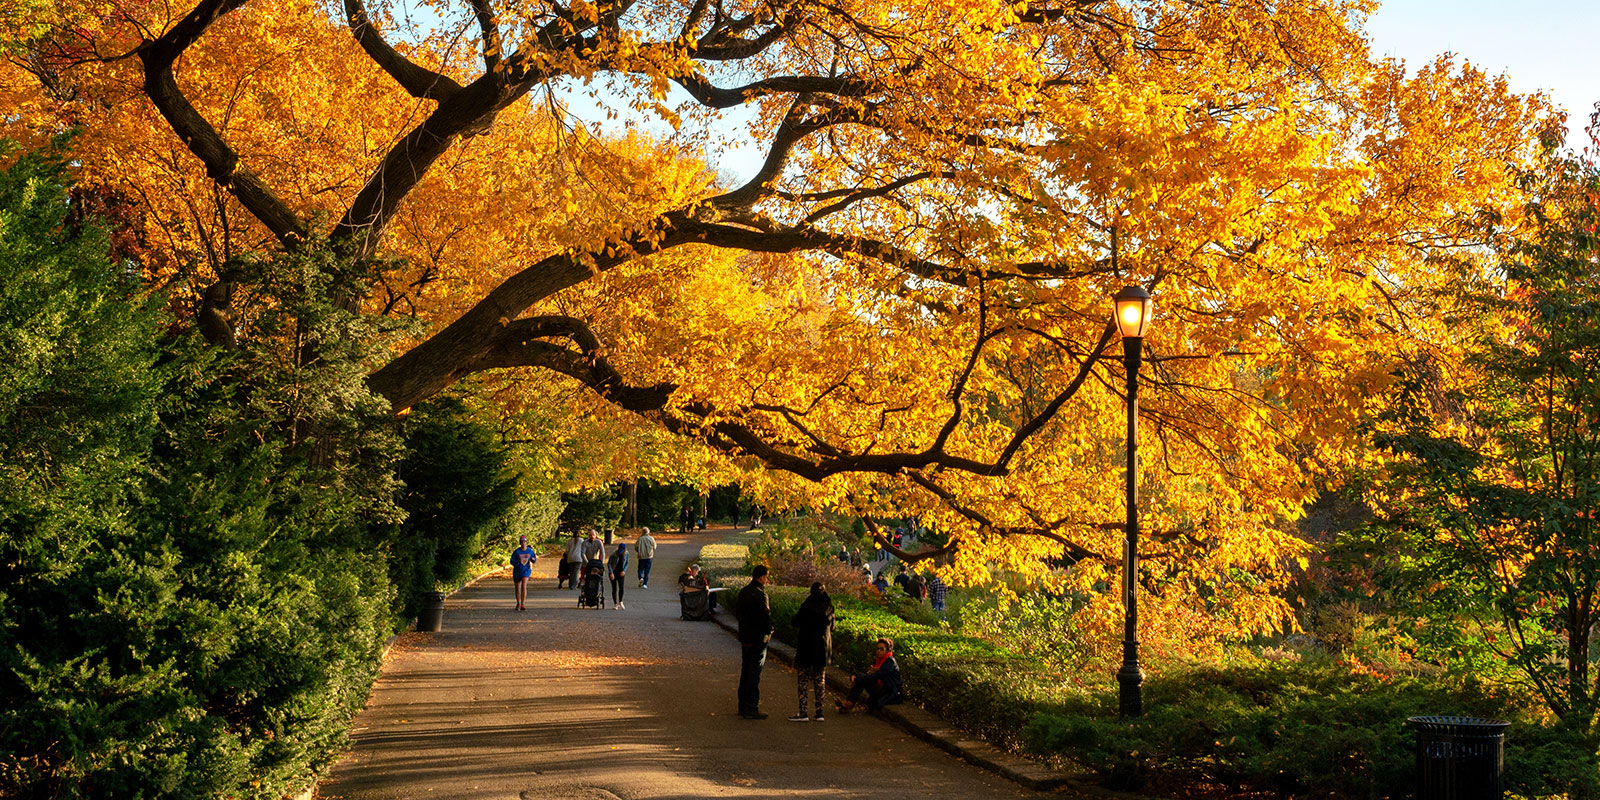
<point x="619" y="582"/>
<point x="754" y="657"/>
<point x="574" y="573"/>
<point x="644" y="571"/>
<point x="877" y="694"/>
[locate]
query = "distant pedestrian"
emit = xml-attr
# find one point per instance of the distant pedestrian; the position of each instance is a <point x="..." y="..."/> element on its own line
<point x="617" y="570"/>
<point x="813" y="645"/>
<point x="685" y="519"/>
<point x="881" y="682"/>
<point x="755" y="629"/>
<point x="522" y="560"/>
<point x="936" y="591"/>
<point x="880" y="583"/>
<point x="646" y="551"/>
<point x="916" y="588"/>
<point x="573" y="561"/>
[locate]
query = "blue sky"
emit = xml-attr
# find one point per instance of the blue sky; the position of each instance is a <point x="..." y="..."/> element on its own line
<point x="1549" y="46"/>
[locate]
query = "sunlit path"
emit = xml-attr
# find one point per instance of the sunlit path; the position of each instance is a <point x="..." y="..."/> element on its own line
<point x="558" y="702"/>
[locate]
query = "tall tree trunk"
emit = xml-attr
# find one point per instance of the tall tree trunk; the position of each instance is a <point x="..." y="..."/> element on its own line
<point x="633" y="503"/>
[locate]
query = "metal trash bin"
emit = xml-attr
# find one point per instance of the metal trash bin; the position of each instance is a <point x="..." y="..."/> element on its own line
<point x="431" y="618"/>
<point x="1460" y="758"/>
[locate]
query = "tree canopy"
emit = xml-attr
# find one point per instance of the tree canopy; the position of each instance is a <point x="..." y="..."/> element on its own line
<point x="905" y="305"/>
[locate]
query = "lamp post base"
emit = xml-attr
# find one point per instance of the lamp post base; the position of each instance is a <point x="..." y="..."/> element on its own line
<point x="1130" y="698"/>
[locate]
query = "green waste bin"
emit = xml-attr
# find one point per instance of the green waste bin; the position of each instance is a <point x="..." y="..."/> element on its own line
<point x="1460" y="758"/>
<point x="431" y="618"/>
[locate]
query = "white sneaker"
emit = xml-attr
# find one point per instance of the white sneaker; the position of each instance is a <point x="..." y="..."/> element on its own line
<point x="621" y="606"/>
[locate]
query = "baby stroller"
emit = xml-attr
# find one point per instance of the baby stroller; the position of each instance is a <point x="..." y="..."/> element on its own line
<point x="589" y="594"/>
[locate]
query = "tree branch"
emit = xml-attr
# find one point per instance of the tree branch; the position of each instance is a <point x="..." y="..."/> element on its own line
<point x="221" y="161"/>
<point x="712" y="96"/>
<point x="490" y="30"/>
<point x="419" y="81"/>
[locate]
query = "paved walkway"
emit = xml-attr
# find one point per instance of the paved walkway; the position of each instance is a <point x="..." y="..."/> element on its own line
<point x="561" y="702"/>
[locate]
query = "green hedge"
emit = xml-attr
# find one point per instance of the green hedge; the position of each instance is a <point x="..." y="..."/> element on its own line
<point x="189" y="607"/>
<point x="1294" y="729"/>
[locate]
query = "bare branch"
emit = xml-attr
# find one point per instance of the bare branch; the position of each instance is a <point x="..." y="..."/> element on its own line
<point x="714" y="96"/>
<point x="419" y="81"/>
<point x="490" y="30"/>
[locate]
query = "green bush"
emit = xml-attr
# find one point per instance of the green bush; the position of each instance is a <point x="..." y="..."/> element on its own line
<point x="190" y="606"/>
<point x="534" y="516"/>
<point x="457" y="483"/>
<point x="661" y="504"/>
<point x="597" y="508"/>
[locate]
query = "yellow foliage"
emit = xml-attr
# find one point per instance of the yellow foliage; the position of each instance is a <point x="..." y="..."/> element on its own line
<point x="956" y="190"/>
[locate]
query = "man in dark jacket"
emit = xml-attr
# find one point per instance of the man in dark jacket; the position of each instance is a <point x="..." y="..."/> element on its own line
<point x="881" y="682"/>
<point x="755" y="630"/>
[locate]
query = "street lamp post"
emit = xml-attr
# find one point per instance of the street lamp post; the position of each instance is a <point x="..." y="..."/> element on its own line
<point x="1133" y="320"/>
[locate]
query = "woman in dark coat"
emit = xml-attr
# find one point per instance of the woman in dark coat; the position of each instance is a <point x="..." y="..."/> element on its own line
<point x="813" y="644"/>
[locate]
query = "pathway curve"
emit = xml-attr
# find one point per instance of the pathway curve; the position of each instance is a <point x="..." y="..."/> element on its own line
<point x="569" y="703"/>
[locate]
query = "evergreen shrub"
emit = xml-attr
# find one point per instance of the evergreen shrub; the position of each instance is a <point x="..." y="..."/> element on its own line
<point x="192" y="597"/>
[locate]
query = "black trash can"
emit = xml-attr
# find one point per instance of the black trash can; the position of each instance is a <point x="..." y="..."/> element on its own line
<point x="431" y="618"/>
<point x="1460" y="758"/>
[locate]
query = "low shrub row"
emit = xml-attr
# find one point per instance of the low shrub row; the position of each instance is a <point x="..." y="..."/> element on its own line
<point x="1308" y="729"/>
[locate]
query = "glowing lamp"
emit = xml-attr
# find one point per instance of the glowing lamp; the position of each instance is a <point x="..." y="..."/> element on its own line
<point x="1133" y="311"/>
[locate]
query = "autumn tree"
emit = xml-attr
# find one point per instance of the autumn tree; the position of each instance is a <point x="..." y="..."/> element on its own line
<point x="1487" y="508"/>
<point x="905" y="304"/>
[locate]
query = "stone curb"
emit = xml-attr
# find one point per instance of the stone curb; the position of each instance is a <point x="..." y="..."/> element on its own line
<point x="941" y="734"/>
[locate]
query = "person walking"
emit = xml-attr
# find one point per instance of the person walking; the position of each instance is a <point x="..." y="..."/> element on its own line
<point x="617" y="570"/>
<point x="936" y="592"/>
<point x="812" y="646"/>
<point x="646" y="549"/>
<point x="594" y="552"/>
<point x="881" y="683"/>
<point x="573" y="562"/>
<point x="754" y="611"/>
<point x="522" y="560"/>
